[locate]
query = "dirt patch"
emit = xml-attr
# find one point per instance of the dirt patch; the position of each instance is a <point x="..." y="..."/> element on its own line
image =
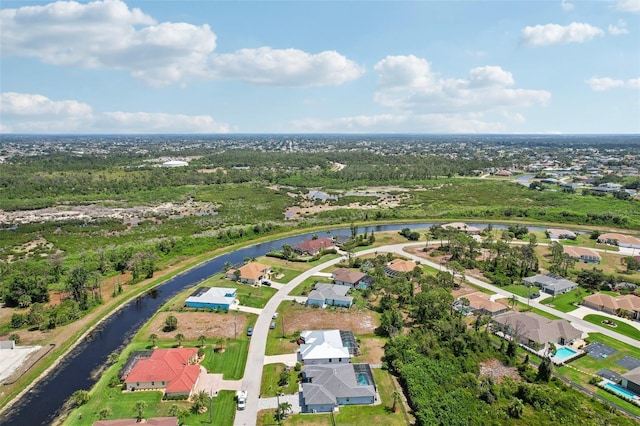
<point x="194" y="324"/>
<point x="298" y="318"/>
<point x="372" y="350"/>
<point x="497" y="370"/>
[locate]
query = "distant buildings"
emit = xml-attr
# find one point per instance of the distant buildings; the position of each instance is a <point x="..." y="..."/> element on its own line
<point x="175" y="163"/>
<point x="560" y="234"/>
<point x="462" y="227"/>
<point x="312" y="247"/>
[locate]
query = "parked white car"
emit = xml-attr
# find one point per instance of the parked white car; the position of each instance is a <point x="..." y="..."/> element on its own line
<point x="241" y="396"/>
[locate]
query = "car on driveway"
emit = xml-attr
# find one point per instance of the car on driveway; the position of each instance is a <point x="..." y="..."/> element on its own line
<point x="267" y="283"/>
<point x="534" y="295"/>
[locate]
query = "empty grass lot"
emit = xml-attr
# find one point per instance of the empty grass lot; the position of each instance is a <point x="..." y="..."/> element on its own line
<point x="231" y="362"/>
<point x="270" y="376"/>
<point x="622" y="328"/>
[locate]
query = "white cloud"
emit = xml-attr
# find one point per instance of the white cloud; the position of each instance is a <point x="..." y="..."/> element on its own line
<point x="628" y="5"/>
<point x="566" y="6"/>
<point x="390" y="123"/>
<point x="619" y="29"/>
<point x="408" y="83"/>
<point x="285" y="67"/>
<point x="543" y="35"/>
<point x="28" y="113"/>
<point x="109" y="35"/>
<point x="34" y="106"/>
<point x="600" y="84"/>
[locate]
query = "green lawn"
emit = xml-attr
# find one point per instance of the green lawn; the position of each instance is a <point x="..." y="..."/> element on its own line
<point x="525" y="308"/>
<point x="231" y="362"/>
<point x="270" y="376"/>
<point x="521" y="290"/>
<point x="565" y="302"/>
<point x="307" y="285"/>
<point x="622" y="328"/>
<point x="353" y="414"/>
<point x="249" y="295"/>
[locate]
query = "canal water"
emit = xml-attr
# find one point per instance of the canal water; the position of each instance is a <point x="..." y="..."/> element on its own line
<point x="43" y="404"/>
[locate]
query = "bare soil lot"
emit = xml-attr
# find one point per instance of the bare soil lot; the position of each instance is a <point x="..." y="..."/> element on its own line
<point x="194" y="324"/>
<point x="496" y="370"/>
<point x="298" y="317"/>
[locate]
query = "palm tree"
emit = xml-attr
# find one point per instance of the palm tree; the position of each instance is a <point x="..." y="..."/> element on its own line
<point x="200" y="402"/>
<point x="396" y="398"/>
<point x="139" y="408"/>
<point x="153" y="339"/>
<point x="284" y="408"/>
<point x="179" y="338"/>
<point x="202" y="338"/>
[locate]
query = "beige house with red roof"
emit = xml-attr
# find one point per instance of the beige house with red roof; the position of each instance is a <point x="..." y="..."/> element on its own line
<point x="174" y="371"/>
<point x="399" y="266"/>
<point x="251" y="273"/>
<point x="614" y="305"/>
<point x="313" y="247"/>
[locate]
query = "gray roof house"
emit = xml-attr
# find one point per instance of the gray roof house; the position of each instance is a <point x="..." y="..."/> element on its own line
<point x="532" y="328"/>
<point x="329" y="294"/>
<point x="631" y="380"/>
<point x="552" y="284"/>
<point x="325" y="386"/>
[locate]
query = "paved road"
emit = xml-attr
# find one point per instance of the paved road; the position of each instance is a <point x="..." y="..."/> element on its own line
<point x="256" y="358"/>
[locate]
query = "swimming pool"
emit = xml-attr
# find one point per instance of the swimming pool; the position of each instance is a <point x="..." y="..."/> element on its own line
<point x="363" y="380"/>
<point x="564" y="353"/>
<point x="620" y="390"/>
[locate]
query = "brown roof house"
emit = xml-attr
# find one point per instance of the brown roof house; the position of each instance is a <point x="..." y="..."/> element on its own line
<point x="399" y="266"/>
<point x="313" y="247"/>
<point x="351" y="278"/>
<point x="251" y="273"/>
<point x="616" y="305"/>
<point x="582" y="254"/>
<point x="535" y="330"/>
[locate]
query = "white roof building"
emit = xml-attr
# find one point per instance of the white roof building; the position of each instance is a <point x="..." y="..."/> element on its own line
<point x="323" y="347"/>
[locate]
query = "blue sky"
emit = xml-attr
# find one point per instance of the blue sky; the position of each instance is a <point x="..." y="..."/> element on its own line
<point x="185" y="66"/>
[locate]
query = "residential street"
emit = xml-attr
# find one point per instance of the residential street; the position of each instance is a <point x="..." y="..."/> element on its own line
<point x="256" y="358"/>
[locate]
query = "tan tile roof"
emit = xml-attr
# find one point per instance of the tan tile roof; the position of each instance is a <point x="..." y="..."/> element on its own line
<point x="251" y="271"/>
<point x="401" y="265"/>
<point x="481" y="301"/>
<point x="626" y="239"/>
<point x="580" y="251"/>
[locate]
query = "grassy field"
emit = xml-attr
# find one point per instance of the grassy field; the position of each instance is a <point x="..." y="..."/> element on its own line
<point x="521" y="290"/>
<point x="622" y="327"/>
<point x="523" y="307"/>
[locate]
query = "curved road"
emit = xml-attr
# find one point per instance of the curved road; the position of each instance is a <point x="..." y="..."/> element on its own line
<point x="255" y="359"/>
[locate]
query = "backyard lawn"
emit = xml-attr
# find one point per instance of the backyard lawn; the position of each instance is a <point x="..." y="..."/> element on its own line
<point x="271" y="374"/>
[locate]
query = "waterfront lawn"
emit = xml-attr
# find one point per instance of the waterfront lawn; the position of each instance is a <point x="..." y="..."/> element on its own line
<point x="622" y="327"/>
<point x="565" y="302"/>
<point x="271" y="374"/>
<point x="249" y="295"/>
<point x="231" y="362"/>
